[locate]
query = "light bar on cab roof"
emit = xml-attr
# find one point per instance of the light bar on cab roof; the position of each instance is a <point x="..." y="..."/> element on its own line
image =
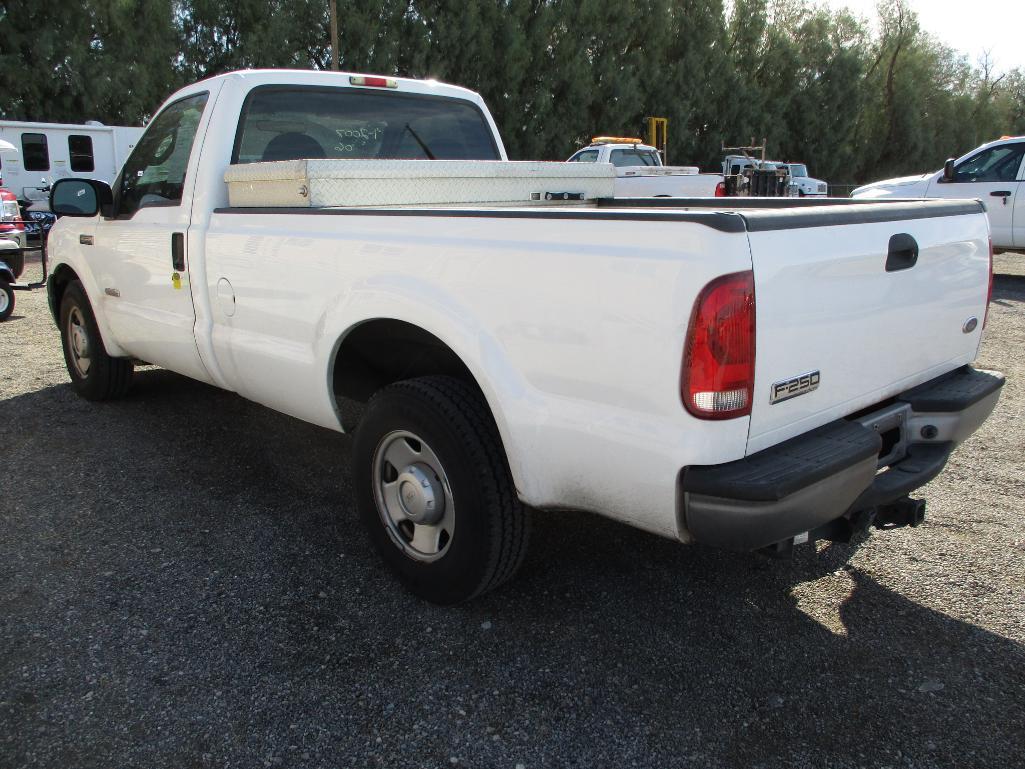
<point x="615" y="140"/>
<point x="373" y="82"/>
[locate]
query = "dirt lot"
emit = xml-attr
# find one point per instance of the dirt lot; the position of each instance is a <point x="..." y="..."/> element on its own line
<point x="183" y="583"/>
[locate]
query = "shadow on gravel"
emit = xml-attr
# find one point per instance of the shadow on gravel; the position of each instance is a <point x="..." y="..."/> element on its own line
<point x="183" y="582"/>
<point x="1008" y="287"/>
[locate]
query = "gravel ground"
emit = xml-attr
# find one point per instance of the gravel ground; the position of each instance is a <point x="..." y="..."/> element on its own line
<point x="183" y="583"/>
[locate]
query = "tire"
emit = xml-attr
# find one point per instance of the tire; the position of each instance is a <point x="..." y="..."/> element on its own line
<point x="95" y="375"/>
<point x="16" y="263"/>
<point x="6" y="300"/>
<point x="445" y="440"/>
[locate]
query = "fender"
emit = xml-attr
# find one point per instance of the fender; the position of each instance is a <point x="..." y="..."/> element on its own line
<point x="516" y="407"/>
<point x="63" y="248"/>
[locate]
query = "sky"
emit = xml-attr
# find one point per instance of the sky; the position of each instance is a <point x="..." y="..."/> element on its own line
<point x="970" y="27"/>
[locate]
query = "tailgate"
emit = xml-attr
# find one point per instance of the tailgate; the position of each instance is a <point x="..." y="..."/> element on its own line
<point x="826" y="304"/>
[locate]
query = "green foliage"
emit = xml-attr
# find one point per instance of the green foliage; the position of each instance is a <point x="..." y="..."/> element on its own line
<point x="818" y="84"/>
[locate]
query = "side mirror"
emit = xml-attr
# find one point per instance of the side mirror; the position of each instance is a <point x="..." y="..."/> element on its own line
<point x="79" y="197"/>
<point x="948" y="170"/>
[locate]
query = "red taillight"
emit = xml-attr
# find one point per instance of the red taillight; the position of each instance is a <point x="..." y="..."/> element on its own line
<point x="720" y="190"/>
<point x="989" y="294"/>
<point x="717" y="380"/>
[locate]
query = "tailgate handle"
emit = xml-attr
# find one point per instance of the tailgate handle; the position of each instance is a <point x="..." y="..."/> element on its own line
<point x="902" y="253"/>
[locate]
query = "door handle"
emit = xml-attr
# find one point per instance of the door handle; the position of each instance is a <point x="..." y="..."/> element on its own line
<point x="1005" y="194"/>
<point x="902" y="252"/>
<point x="178" y="251"/>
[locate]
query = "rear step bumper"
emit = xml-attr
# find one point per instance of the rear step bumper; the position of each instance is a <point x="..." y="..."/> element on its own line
<point x="806" y="482"/>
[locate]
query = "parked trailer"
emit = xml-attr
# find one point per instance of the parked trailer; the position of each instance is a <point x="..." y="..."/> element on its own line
<point x="51" y="151"/>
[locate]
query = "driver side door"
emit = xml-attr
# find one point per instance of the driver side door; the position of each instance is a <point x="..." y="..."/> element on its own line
<point x="994" y="177"/>
<point x="139" y="256"/>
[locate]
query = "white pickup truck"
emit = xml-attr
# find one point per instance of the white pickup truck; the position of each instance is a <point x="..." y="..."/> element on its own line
<point x="993" y="173"/>
<point x="745" y="374"/>
<point x="640" y="173"/>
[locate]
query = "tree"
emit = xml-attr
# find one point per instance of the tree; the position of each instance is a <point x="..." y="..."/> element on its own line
<point x="818" y="84"/>
<point x="107" y="60"/>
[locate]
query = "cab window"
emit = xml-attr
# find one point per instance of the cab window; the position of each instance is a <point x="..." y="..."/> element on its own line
<point x="35" y="152"/>
<point x="634" y="157"/>
<point x="996" y="164"/>
<point x="154" y="174"/>
<point x="585" y="156"/>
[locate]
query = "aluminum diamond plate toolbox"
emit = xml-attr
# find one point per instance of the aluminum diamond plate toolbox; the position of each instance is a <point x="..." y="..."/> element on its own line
<point x="323" y="183"/>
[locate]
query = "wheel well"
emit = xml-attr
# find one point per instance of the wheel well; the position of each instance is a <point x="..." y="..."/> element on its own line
<point x="59" y="280"/>
<point x="380" y="352"/>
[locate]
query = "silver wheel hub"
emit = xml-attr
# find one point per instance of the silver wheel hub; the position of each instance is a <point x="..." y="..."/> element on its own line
<point x="421" y="495"/>
<point x="413" y="495"/>
<point x="78" y="342"/>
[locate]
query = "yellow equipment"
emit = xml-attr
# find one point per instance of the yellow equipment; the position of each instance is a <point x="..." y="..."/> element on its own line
<point x="658" y="136"/>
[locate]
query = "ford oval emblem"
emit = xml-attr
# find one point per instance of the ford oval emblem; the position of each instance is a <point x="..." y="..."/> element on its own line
<point x="969" y="325"/>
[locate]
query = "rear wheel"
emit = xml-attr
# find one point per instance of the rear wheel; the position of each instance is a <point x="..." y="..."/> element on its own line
<point x="6" y="300"/>
<point x="95" y="375"/>
<point x="435" y="492"/>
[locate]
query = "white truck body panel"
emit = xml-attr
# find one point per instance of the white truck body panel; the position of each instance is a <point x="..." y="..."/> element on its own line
<point x="1004" y="199"/>
<point x="571" y="319"/>
<point x="583" y="384"/>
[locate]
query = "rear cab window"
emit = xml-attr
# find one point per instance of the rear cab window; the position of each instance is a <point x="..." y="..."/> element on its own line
<point x="585" y="156"/>
<point x="297" y="122"/>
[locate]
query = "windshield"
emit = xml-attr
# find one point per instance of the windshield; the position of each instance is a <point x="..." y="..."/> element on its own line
<point x="352" y="123"/>
<point x="798" y="169"/>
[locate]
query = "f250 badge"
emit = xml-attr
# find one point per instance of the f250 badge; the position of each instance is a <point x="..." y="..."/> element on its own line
<point x="790" y="388"/>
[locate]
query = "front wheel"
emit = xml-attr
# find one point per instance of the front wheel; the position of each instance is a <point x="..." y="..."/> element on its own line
<point x="95" y="375"/>
<point x="435" y="492"/>
<point x="6" y="300"/>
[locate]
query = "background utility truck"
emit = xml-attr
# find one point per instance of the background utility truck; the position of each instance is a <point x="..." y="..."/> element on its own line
<point x="640" y="173"/>
<point x="746" y="374"/>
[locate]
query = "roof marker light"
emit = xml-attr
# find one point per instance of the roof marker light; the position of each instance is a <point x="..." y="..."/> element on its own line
<point x="615" y="140"/>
